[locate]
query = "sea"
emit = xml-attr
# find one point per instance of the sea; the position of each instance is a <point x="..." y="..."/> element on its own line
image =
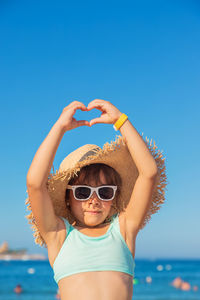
<point x="152" y="280"/>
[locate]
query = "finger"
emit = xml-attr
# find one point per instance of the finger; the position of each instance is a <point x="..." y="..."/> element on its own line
<point x="97" y="103"/>
<point x="83" y="122"/>
<point x="79" y="105"/>
<point x="97" y="120"/>
<point x="99" y="106"/>
<point x="94" y="106"/>
<point x="98" y="100"/>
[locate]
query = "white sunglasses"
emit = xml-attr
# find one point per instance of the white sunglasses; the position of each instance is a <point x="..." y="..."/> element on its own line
<point x="84" y="192"/>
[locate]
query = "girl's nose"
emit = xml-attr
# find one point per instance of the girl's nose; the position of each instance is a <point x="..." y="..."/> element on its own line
<point x="94" y="196"/>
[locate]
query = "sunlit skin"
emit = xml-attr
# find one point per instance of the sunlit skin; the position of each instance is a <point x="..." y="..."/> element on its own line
<point x="80" y="208"/>
<point x="106" y="284"/>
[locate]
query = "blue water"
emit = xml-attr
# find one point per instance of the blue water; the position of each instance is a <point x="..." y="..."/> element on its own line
<point x="39" y="284"/>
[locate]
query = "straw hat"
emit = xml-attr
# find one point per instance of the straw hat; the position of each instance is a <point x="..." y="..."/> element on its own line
<point x="114" y="154"/>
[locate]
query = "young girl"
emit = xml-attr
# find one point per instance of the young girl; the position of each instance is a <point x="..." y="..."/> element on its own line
<point x="89" y="212"/>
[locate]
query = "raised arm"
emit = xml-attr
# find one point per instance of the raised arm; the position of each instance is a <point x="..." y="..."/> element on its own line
<point x="143" y="189"/>
<point x="41" y="204"/>
<point x="142" y="193"/>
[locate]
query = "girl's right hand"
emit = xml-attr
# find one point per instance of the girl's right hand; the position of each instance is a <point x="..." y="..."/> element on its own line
<point x="66" y="119"/>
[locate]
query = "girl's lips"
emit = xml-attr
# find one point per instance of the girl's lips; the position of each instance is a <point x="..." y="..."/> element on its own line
<point x="93" y="212"/>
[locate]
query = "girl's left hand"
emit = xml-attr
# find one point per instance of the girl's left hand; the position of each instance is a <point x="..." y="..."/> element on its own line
<point x="110" y="114"/>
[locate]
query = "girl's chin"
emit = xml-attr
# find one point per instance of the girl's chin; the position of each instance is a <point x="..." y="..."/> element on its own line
<point x="93" y="213"/>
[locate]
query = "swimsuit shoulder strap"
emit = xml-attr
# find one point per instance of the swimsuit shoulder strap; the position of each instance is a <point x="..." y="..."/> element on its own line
<point x="67" y="225"/>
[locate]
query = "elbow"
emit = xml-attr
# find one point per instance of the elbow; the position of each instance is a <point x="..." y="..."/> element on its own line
<point x="154" y="171"/>
<point x="152" y="174"/>
<point x="34" y="184"/>
<point x="30" y="182"/>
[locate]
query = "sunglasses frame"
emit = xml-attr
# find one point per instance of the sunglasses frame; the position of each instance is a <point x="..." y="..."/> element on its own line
<point x="92" y="189"/>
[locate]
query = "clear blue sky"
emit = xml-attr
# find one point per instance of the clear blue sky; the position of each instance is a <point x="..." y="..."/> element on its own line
<point x="142" y="56"/>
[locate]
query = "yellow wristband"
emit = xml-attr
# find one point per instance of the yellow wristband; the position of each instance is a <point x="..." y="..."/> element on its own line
<point x="120" y="122"/>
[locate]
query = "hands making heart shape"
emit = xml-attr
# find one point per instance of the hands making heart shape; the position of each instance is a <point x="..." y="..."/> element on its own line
<point x="110" y="114"/>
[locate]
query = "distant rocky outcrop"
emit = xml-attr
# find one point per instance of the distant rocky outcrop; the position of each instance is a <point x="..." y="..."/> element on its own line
<point x="17" y="254"/>
<point x="4" y="249"/>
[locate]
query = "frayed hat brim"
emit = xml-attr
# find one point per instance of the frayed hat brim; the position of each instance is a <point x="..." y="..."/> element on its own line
<point x="114" y="154"/>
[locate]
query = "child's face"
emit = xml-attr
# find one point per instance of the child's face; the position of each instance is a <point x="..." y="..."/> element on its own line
<point x="80" y="209"/>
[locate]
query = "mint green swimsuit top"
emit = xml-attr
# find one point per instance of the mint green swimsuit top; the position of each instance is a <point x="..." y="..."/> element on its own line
<point x="82" y="253"/>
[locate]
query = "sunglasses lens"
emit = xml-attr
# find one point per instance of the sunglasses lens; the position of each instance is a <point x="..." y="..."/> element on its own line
<point x="106" y="193"/>
<point x="82" y="192"/>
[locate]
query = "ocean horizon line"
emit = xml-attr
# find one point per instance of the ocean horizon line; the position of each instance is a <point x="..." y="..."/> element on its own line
<point x="136" y="259"/>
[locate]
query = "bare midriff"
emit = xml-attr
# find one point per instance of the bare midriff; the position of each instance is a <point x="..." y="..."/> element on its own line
<point x="98" y="285"/>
